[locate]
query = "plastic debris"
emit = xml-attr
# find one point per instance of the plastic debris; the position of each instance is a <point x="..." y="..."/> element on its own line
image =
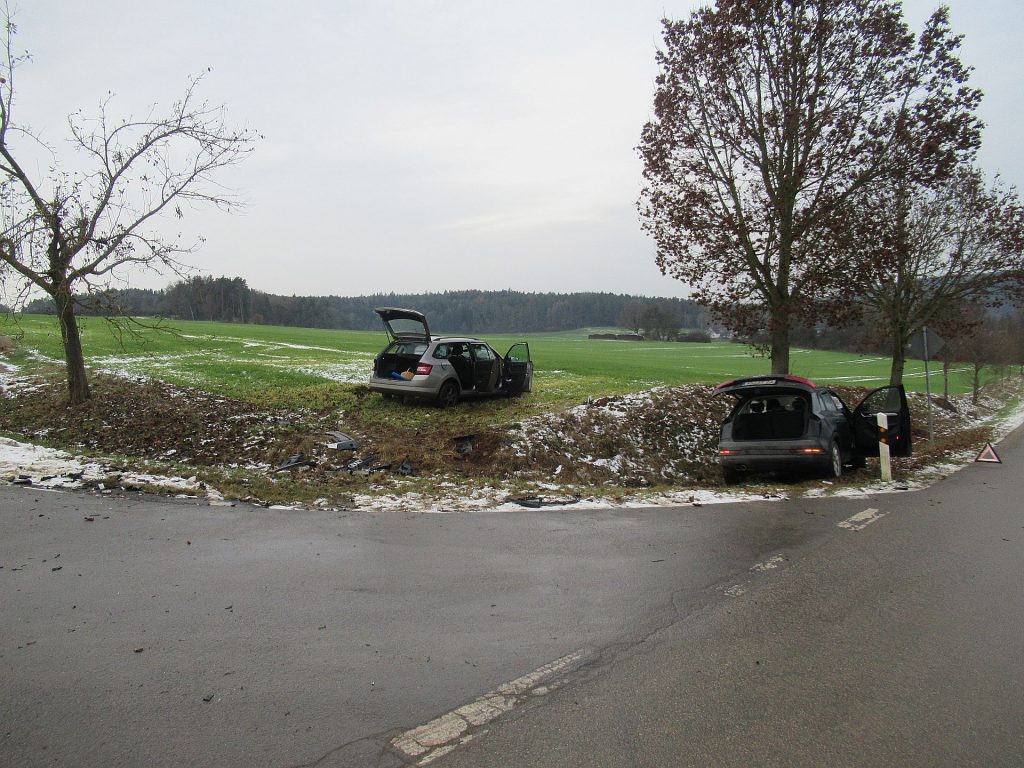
<point x="294" y="461"/>
<point x="357" y="464"/>
<point x="536" y="502"/>
<point x="342" y="442"/>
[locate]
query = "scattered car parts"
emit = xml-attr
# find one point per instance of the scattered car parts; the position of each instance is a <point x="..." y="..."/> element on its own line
<point x="342" y="442"/>
<point x="294" y="462"/>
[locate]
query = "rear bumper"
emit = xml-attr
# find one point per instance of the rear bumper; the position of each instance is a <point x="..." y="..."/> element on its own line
<point x="787" y="455"/>
<point x="417" y="386"/>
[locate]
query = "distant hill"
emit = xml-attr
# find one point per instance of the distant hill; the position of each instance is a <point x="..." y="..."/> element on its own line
<point x="231" y="300"/>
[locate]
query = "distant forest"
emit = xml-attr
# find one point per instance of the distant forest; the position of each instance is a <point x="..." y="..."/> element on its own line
<point x="232" y="300"/>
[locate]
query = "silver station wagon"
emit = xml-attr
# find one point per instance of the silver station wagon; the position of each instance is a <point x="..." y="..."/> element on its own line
<point x="444" y="368"/>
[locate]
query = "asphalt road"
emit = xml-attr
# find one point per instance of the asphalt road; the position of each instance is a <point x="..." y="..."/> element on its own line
<point x="899" y="644"/>
<point x="145" y="632"/>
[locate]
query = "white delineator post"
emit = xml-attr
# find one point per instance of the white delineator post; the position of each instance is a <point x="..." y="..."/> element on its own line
<point x="883" y="447"/>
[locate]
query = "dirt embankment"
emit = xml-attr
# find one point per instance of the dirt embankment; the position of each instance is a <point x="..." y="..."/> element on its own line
<point x="662" y="438"/>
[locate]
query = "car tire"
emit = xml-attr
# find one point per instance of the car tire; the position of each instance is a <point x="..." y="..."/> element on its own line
<point x="835" y="461"/>
<point x="448" y="394"/>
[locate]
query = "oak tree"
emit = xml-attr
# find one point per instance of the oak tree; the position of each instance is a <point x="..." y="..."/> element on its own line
<point x="769" y="115"/>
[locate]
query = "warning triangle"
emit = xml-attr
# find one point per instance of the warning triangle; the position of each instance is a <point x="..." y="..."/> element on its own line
<point x="988" y="454"/>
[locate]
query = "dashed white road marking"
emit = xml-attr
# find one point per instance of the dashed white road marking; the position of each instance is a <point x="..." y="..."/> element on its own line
<point x="740" y="588"/>
<point x="862" y="519"/>
<point x="449" y="731"/>
<point x="768" y="565"/>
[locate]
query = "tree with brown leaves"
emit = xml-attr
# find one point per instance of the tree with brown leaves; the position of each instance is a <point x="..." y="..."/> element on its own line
<point x="769" y="116"/>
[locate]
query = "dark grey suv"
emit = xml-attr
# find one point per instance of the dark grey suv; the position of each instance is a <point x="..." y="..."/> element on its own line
<point x="790" y="423"/>
<point x="444" y="368"/>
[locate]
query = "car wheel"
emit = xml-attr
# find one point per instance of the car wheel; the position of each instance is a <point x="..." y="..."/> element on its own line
<point x="835" y="458"/>
<point x="448" y="395"/>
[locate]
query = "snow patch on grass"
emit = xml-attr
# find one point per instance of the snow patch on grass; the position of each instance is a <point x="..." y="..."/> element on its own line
<point x="50" y="468"/>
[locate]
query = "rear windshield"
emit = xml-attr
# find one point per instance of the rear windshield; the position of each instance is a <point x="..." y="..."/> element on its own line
<point x="406" y="326"/>
<point x="406" y="348"/>
<point x="774" y="403"/>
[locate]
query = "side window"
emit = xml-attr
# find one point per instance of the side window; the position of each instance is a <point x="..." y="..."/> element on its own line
<point x="882" y="401"/>
<point x="482" y="353"/>
<point x="440" y="352"/>
<point x="828" y="403"/>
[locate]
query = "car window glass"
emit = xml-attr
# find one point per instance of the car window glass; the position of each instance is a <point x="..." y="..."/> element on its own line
<point x="440" y="352"/>
<point x="773" y="404"/>
<point x="883" y="401"/>
<point x="406" y="348"/>
<point x="518" y="353"/>
<point x="482" y="352"/>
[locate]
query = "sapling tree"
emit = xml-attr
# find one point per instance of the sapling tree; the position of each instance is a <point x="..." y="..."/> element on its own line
<point x="73" y="223"/>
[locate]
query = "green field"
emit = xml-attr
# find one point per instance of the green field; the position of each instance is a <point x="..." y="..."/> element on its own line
<point x="289" y="366"/>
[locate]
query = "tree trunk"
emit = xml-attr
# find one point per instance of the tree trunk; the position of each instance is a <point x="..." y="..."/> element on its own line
<point x="780" y="348"/>
<point x="945" y="378"/>
<point x="78" y="384"/>
<point x="899" y="360"/>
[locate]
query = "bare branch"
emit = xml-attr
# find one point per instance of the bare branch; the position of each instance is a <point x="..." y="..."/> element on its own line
<point x="71" y="233"/>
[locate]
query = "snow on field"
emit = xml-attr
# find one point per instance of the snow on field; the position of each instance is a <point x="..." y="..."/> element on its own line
<point x="354" y="370"/>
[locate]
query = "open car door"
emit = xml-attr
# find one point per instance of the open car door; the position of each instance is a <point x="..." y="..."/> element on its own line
<point x="891" y="401"/>
<point x="404" y="324"/>
<point x="517" y="369"/>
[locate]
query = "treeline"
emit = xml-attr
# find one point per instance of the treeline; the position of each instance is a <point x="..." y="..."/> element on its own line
<point x="231" y="300"/>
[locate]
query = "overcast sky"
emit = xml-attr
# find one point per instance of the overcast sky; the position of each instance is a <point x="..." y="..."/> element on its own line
<point x="425" y="145"/>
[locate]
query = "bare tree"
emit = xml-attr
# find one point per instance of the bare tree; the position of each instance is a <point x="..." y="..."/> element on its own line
<point x="632" y="316"/>
<point x="769" y="116"/>
<point x="934" y="248"/>
<point x="70" y="228"/>
<point x="660" y="322"/>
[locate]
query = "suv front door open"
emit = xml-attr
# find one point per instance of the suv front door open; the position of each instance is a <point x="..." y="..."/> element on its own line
<point x="891" y="401"/>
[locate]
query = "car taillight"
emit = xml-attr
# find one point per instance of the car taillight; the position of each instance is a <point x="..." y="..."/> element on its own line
<point x="813" y="451"/>
<point x="423" y="369"/>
